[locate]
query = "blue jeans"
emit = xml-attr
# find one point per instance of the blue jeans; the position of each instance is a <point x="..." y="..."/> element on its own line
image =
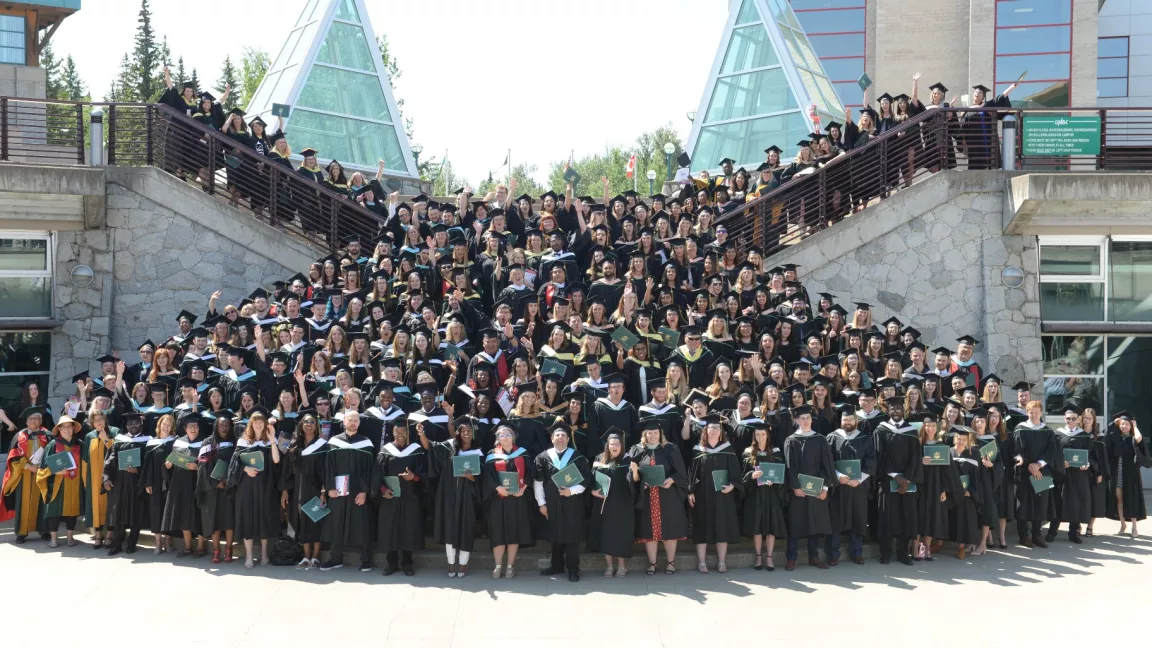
<point x="813" y="547"/>
<point x="832" y="545"/>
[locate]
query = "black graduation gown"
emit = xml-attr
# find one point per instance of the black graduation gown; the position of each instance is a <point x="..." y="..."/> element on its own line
<point x="808" y="455"/>
<point x="303" y="478"/>
<point x="217" y="505"/>
<point x="509" y="518"/>
<point x="980" y="137"/>
<point x="848" y="507"/>
<point x="351" y="456"/>
<point x="531" y="433"/>
<point x="898" y="452"/>
<point x="993" y="479"/>
<point x="257" y="498"/>
<point x="1006" y="495"/>
<point x="699" y="369"/>
<point x="400" y="524"/>
<point x="612" y="529"/>
<point x="457" y="498"/>
<point x="566" y="515"/>
<point x="154" y="475"/>
<point x="964" y="512"/>
<point x="127" y="506"/>
<point x="1034" y="445"/>
<point x="180" y="510"/>
<point x="604" y="416"/>
<point x="763" y="512"/>
<point x="714" y="517"/>
<point x="1126" y="458"/>
<point x="1101" y="470"/>
<point x="1074" y="491"/>
<point x="671" y="500"/>
<point x="933" y="514"/>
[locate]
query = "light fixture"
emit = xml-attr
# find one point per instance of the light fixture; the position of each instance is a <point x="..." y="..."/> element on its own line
<point x="1012" y="276"/>
<point x="651" y="174"/>
<point x="691" y="115"/>
<point x="82" y="276"/>
<point x="669" y="148"/>
<point x="417" y="149"/>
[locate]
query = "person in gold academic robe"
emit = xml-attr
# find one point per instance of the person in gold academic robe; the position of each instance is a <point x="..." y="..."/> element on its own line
<point x="96" y="445"/>
<point x="21" y="497"/>
<point x="61" y="492"/>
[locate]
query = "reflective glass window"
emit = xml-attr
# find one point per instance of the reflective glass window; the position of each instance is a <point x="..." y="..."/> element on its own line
<point x="747" y="95"/>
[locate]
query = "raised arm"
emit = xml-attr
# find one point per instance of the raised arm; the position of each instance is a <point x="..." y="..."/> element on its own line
<point x="916" y="88"/>
<point x="224" y="97"/>
<point x="167" y="78"/>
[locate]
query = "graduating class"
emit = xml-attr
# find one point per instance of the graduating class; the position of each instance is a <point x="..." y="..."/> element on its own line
<point x="609" y="376"/>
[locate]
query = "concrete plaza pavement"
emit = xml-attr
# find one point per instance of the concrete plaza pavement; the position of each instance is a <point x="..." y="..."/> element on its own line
<point x="946" y="602"/>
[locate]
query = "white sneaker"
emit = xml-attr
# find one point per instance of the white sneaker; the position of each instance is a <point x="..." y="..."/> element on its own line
<point x="304" y="564"/>
<point x="315" y="563"/>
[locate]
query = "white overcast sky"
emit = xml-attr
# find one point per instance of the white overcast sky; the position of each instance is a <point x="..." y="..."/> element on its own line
<point x="624" y="66"/>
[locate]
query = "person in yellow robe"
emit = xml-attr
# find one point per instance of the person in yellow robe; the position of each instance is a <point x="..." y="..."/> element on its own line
<point x="21" y="496"/>
<point x="93" y="451"/>
<point x="61" y="492"/>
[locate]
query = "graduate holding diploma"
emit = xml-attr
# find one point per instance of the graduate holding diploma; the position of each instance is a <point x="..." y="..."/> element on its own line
<point x="562" y="506"/>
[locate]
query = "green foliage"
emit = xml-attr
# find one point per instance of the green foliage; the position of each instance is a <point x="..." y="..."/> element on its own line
<point x="229" y="79"/>
<point x="254" y="65"/>
<point x="123" y="87"/>
<point x="147" y="58"/>
<point x="522" y="173"/>
<point x="51" y="66"/>
<point x="194" y="79"/>
<point x="71" y="84"/>
<point x="181" y="74"/>
<point x="612" y="163"/>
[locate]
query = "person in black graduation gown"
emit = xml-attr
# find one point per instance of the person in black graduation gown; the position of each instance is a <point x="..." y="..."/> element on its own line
<point x="303" y="480"/>
<point x="611" y="530"/>
<point x="457" y="498"/>
<point x="564" y="508"/>
<point x="1128" y="453"/>
<point x="127" y="507"/>
<point x="980" y="141"/>
<point x="763" y="518"/>
<point x="714" y="519"/>
<point x="1037" y="456"/>
<point x="661" y="516"/>
<point x="258" y="498"/>
<point x="898" y="456"/>
<point x="697" y="359"/>
<point x="217" y="505"/>
<point x="964" y="511"/>
<point x="508" y="514"/>
<point x="349" y="469"/>
<point x="1073" y="492"/>
<point x="848" y="508"/>
<point x="938" y="484"/>
<point x="807" y="453"/>
<point x="154" y="479"/>
<point x="613" y="411"/>
<point x="400" y="525"/>
<point x="180" y="510"/>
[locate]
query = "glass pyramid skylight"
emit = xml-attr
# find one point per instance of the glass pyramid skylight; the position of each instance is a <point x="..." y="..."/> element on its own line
<point x="329" y="70"/>
<point x="763" y="80"/>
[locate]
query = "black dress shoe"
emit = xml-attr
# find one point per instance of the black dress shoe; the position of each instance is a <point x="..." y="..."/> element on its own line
<point x="1039" y="542"/>
<point x="390" y="569"/>
<point x="907" y="560"/>
<point x="550" y="571"/>
<point x="409" y="571"/>
<point x="1075" y="539"/>
<point x="21" y="539"/>
<point x="113" y="551"/>
<point x="574" y="576"/>
<point x="884" y="561"/>
<point x="1050" y="536"/>
<point x="130" y="550"/>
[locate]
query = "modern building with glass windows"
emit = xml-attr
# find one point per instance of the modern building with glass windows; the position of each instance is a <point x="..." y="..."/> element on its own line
<point x="330" y="72"/>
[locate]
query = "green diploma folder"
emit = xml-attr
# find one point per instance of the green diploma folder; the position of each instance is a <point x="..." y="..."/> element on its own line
<point x="773" y="472"/>
<point x="59" y="462"/>
<point x="850" y="468"/>
<point x="1076" y="458"/>
<point x="671" y="338"/>
<point x="938" y="455"/>
<point x="315" y="509"/>
<point x="720" y="479"/>
<point x="964" y="481"/>
<point x="219" y="470"/>
<point x="129" y="458"/>
<point x="653" y="475"/>
<point x="603" y="482"/>
<point x="510" y="481"/>
<point x="626" y="338"/>
<point x="392" y="484"/>
<point x="894" y="486"/>
<point x="253" y="460"/>
<point x="990" y="450"/>
<point x="568" y="477"/>
<point x="462" y="463"/>
<point x="451" y="352"/>
<point x="552" y="367"/>
<point x="181" y="459"/>
<point x="281" y="110"/>
<point x="1042" y="484"/>
<point x="811" y="486"/>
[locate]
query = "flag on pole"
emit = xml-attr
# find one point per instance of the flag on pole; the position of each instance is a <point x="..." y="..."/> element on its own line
<point x="631" y="168"/>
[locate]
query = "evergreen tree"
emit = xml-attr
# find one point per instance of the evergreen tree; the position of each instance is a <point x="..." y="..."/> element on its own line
<point x="252" y="70"/>
<point x="124" y="88"/>
<point x="194" y="79"/>
<point x="51" y="66"/>
<point x="181" y="75"/>
<point x="73" y="85"/>
<point x="228" y="79"/>
<point x="147" y="57"/>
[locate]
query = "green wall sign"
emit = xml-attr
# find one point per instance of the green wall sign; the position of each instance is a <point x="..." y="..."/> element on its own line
<point x="1061" y="135"/>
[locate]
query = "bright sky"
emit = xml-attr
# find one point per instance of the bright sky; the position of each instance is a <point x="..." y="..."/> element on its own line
<point x="616" y="68"/>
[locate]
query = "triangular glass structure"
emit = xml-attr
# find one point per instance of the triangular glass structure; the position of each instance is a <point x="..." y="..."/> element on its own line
<point x="763" y="80"/>
<point x="329" y="70"/>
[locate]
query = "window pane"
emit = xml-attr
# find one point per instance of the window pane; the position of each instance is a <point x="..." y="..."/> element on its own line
<point x="783" y="13"/>
<point x="831" y="101"/>
<point x="845" y="20"/>
<point x="1027" y="40"/>
<point x="748" y="13"/>
<point x="746" y="95"/>
<point x="825" y="4"/>
<point x="1112" y="67"/>
<point x="1033" y="12"/>
<point x="745" y="140"/>
<point x="305" y="42"/>
<point x="26" y="296"/>
<point x="1072" y="302"/>
<point x="346" y="10"/>
<point x="346" y="46"/>
<point x="286" y="51"/>
<point x="23" y="254"/>
<point x="24" y="352"/>
<point x="1073" y="355"/>
<point x="841" y="45"/>
<point x="850" y="94"/>
<point x="1112" y="87"/>
<point x="1129" y="382"/>
<point x="1038" y="66"/>
<point x="749" y="48"/>
<point x="843" y="69"/>
<point x="1112" y="47"/>
<point x="807" y="57"/>
<point x="348" y="140"/>
<point x="306" y="15"/>
<point x="341" y="91"/>
<point x="1131" y="281"/>
<point x="12" y="23"/>
<point x="1033" y="94"/>
<point x="1060" y="390"/>
<point x="1069" y="259"/>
